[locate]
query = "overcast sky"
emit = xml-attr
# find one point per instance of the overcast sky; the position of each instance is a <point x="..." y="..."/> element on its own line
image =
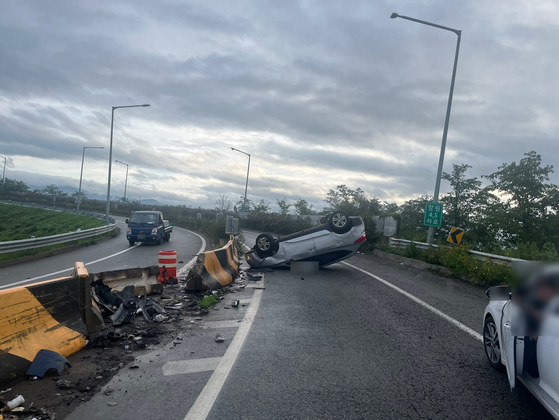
<point x="320" y="93"/>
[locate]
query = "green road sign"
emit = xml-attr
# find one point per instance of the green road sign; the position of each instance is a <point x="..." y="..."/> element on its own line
<point x="433" y="214"/>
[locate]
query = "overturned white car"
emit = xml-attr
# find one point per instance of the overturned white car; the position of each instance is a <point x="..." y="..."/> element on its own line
<point x="338" y="237"/>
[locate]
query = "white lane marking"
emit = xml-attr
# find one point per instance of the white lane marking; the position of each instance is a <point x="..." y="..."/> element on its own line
<point x="185" y="268"/>
<point x="180" y="367"/>
<point x="192" y="261"/>
<point x="67" y="269"/>
<point x="233" y="323"/>
<point x="206" y="399"/>
<point x="456" y="323"/>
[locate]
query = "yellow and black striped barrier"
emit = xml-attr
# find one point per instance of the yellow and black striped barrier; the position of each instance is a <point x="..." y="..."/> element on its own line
<point x="44" y="315"/>
<point x="214" y="269"/>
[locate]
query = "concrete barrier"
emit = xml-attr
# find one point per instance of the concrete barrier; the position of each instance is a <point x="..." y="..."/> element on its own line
<point x="214" y="269"/>
<point x="46" y="315"/>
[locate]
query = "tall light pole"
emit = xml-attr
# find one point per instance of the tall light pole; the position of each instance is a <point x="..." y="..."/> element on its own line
<point x="126" y="180"/>
<point x="111" y="157"/>
<point x="449" y="105"/>
<point x="81" y="175"/>
<point x="248" y="170"/>
<point x="4" y="170"/>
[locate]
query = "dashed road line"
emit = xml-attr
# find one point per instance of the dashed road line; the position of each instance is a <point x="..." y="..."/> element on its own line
<point x="205" y="401"/>
<point x="180" y="367"/>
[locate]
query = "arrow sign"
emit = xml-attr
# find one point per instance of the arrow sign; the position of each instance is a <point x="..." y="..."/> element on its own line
<point x="455" y="235"/>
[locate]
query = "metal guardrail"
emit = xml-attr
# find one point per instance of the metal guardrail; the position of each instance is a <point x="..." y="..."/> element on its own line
<point x="403" y="243"/>
<point x="32" y="243"/>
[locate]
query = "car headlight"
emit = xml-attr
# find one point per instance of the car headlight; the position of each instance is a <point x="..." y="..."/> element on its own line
<point x="154" y="231"/>
<point x="128" y="231"/>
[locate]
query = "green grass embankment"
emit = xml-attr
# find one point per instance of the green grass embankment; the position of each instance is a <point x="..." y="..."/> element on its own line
<point x="18" y="222"/>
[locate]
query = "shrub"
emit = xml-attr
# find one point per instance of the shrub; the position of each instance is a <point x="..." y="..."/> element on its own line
<point x="457" y="260"/>
<point x="412" y="251"/>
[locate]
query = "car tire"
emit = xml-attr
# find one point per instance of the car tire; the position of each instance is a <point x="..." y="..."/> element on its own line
<point x="266" y="245"/>
<point x="492" y="343"/>
<point x="160" y="240"/>
<point x="131" y="242"/>
<point x="339" y="222"/>
<point x="168" y="237"/>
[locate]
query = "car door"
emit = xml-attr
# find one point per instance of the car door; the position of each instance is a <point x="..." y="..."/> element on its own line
<point x="508" y="341"/>
<point x="298" y="248"/>
<point x="548" y="356"/>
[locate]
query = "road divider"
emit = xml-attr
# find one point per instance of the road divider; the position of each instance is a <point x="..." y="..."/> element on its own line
<point x="46" y="315"/>
<point x="214" y="269"/>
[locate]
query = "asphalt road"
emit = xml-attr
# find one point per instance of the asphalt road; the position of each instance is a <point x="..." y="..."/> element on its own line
<point x="341" y="344"/>
<point x="107" y="255"/>
<point x="338" y="344"/>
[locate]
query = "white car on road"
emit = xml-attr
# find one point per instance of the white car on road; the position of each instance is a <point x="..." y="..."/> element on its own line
<point x="521" y="335"/>
<point x="338" y="237"/>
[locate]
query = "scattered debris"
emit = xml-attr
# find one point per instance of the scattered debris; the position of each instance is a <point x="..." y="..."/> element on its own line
<point x="218" y="338"/>
<point x="123" y="305"/>
<point x="112" y="404"/>
<point x="12" y="404"/>
<point x="160" y="318"/>
<point x="45" y="360"/>
<point x="235" y="303"/>
<point x="64" y="384"/>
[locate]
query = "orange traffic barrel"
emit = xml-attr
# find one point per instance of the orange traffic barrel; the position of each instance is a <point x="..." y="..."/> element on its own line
<point x="167" y="265"/>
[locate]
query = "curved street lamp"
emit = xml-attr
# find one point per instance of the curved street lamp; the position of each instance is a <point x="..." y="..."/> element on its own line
<point x="248" y="170"/>
<point x="81" y="175"/>
<point x="126" y="180"/>
<point x="449" y="105"/>
<point x="111" y="157"/>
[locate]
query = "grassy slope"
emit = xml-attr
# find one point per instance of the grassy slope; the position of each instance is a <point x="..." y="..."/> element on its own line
<point x="17" y="222"/>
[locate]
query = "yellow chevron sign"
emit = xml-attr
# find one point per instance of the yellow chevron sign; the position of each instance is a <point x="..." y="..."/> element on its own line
<point x="455" y="235"/>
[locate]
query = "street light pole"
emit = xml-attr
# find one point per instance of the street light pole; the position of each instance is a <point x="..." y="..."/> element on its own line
<point x="81" y="175"/>
<point x="4" y="170"/>
<point x="248" y="170"/>
<point x="126" y="181"/>
<point x="111" y="157"/>
<point x="449" y="105"/>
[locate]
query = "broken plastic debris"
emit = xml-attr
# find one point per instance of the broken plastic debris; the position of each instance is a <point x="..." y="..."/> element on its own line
<point x="235" y="303"/>
<point x="159" y="318"/>
<point x="11" y="405"/>
<point x="112" y="403"/>
<point x="64" y="384"/>
<point x="218" y="338"/>
<point x="45" y="360"/>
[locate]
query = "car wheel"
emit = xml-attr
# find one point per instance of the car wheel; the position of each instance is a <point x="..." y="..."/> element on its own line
<point x="339" y="222"/>
<point x="160" y="240"/>
<point x="168" y="238"/>
<point x="492" y="344"/>
<point x="266" y="245"/>
<point x="131" y="242"/>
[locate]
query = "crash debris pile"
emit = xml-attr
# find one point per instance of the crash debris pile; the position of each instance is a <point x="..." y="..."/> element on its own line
<point x="132" y="324"/>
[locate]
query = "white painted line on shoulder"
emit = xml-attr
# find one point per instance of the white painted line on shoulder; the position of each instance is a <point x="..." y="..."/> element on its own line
<point x="186" y="268"/>
<point x="181" y="367"/>
<point x="206" y="399"/>
<point x="66" y="270"/>
<point x="233" y="323"/>
<point x="456" y="323"/>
